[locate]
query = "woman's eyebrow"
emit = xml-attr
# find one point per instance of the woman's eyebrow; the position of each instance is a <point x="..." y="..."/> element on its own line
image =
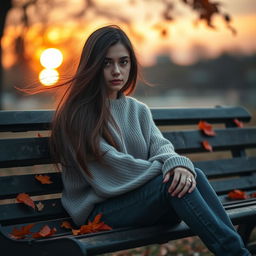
<point x="123" y="57"/>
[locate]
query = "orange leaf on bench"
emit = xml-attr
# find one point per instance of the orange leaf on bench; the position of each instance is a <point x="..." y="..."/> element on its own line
<point x="237" y="194"/>
<point x="253" y="195"/>
<point x="93" y="226"/>
<point x="206" y="128"/>
<point x="238" y="123"/>
<point x="45" y="231"/>
<point x="66" y="224"/>
<point x="207" y="145"/>
<point x="25" y="199"/>
<point x="22" y="232"/>
<point x="44" y="179"/>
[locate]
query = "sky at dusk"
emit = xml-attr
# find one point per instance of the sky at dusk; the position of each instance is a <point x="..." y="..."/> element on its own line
<point x="184" y="42"/>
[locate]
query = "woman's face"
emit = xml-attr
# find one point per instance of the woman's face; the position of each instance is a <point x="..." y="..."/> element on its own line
<point x="116" y="69"/>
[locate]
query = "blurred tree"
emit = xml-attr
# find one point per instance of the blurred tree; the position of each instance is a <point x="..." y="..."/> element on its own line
<point x="205" y="10"/>
<point x="5" y="7"/>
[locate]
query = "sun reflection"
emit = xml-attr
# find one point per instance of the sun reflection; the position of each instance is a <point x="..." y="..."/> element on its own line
<point x="51" y="58"/>
<point x="48" y="77"/>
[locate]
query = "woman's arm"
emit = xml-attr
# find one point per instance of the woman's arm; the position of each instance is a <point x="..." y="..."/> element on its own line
<point x="162" y="150"/>
<point x="122" y="172"/>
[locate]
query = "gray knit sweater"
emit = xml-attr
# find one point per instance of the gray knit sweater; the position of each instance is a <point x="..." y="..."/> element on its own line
<point x="144" y="153"/>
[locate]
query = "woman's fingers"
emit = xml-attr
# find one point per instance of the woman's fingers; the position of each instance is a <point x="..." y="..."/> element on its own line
<point x="189" y="183"/>
<point x="175" y="181"/>
<point x="183" y="182"/>
<point x="182" y="185"/>
<point x="167" y="177"/>
<point x="193" y="185"/>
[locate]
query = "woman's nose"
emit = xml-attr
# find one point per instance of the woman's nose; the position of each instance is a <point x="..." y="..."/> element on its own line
<point x="116" y="70"/>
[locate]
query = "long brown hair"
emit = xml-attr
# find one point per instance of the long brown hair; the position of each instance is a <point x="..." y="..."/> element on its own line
<point x="82" y="115"/>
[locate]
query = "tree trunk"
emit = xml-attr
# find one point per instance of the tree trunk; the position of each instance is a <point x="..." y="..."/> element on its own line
<point x="5" y="6"/>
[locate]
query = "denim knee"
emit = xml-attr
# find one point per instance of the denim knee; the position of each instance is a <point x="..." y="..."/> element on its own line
<point x="200" y="173"/>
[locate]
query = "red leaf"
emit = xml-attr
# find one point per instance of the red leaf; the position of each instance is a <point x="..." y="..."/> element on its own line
<point x="237" y="194"/>
<point x="207" y="145"/>
<point x="238" y="123"/>
<point x="66" y="224"/>
<point x="95" y="226"/>
<point x="75" y="232"/>
<point x="97" y="219"/>
<point x="206" y="128"/>
<point x="25" y="199"/>
<point x="44" y="179"/>
<point x="45" y="231"/>
<point x="105" y="227"/>
<point x="22" y="232"/>
<point x="39" y="135"/>
<point x="253" y="195"/>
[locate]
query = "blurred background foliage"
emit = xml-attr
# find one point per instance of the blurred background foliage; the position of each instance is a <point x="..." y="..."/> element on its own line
<point x="193" y="52"/>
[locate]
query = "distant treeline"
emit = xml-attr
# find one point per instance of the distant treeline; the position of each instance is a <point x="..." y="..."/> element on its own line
<point x="223" y="73"/>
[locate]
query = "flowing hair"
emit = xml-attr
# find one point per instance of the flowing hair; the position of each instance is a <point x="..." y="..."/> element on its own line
<point x="82" y="115"/>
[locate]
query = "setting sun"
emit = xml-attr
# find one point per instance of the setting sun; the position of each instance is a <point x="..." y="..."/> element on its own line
<point x="51" y="58"/>
<point x="48" y="77"/>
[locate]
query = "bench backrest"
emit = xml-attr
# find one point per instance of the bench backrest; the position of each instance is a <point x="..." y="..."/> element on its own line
<point x="24" y="153"/>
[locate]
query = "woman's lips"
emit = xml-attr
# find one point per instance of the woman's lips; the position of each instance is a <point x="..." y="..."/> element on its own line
<point x="116" y="81"/>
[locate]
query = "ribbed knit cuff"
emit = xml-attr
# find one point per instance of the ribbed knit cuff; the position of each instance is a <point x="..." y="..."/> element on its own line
<point x="179" y="161"/>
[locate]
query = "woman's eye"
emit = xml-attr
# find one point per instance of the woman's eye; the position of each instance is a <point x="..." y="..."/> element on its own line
<point x="106" y="63"/>
<point x="124" y="62"/>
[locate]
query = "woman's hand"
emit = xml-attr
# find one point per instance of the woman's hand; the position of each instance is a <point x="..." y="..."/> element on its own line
<point x="183" y="181"/>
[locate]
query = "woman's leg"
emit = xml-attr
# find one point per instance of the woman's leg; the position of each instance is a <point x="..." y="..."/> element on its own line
<point x="201" y="210"/>
<point x="141" y="207"/>
<point x="210" y="197"/>
<point x="204" y="214"/>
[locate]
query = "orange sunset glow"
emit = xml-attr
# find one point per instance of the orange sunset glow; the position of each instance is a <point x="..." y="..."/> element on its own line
<point x="184" y="43"/>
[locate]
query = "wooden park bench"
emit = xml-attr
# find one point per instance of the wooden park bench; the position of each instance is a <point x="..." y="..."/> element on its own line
<point x="24" y="153"/>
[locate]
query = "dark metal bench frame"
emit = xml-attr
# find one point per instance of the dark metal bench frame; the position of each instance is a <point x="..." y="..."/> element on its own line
<point x="239" y="171"/>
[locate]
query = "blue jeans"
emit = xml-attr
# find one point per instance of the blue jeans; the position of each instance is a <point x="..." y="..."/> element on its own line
<point x="201" y="210"/>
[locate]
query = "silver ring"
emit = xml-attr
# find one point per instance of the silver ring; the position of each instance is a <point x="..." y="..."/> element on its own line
<point x="189" y="180"/>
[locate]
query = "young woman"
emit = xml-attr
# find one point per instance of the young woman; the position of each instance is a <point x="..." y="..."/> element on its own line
<point x="115" y="160"/>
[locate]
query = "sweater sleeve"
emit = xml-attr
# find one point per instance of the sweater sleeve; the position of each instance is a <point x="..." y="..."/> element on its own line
<point x="121" y="173"/>
<point x="162" y="150"/>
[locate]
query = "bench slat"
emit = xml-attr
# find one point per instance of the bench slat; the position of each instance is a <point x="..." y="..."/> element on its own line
<point x="225" y="139"/>
<point x="10" y="186"/>
<point x="24" y="152"/>
<point x="14" y="153"/>
<point x="232" y="203"/>
<point x="226" y="185"/>
<point x="38" y="225"/>
<point x="26" y="120"/>
<point x="223" y="167"/>
<point x="11" y="214"/>
<point x="180" y="116"/>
